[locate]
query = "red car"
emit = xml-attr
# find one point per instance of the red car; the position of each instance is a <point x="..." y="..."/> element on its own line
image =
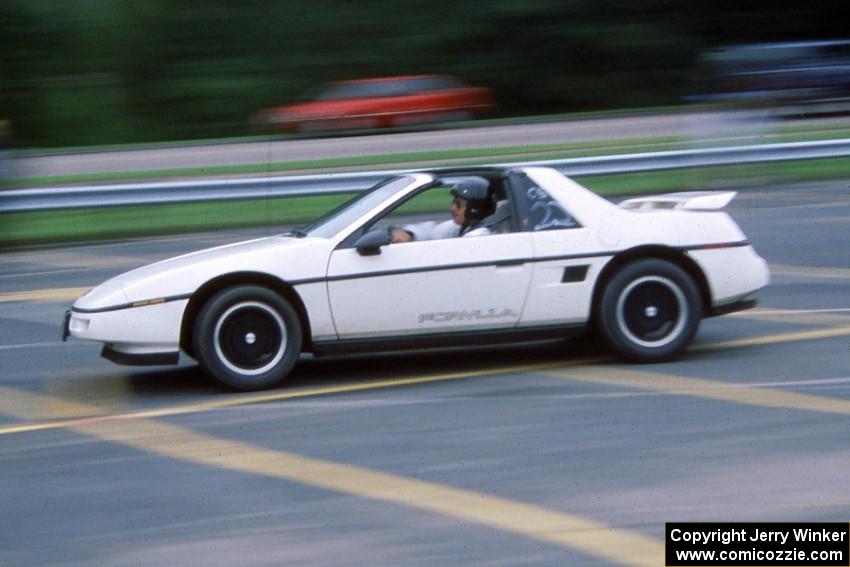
<point x="381" y="103"/>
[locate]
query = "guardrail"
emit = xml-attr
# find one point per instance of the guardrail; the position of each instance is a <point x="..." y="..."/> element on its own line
<point x="45" y="199"/>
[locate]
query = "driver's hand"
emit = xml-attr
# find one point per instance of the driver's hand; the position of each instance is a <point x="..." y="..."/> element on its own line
<point x="399" y="235"/>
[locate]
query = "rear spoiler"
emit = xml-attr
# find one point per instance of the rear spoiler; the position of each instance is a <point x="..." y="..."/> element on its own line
<point x="689" y="201"/>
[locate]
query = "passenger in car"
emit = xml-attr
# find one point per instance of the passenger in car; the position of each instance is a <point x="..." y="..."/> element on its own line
<point x="472" y="203"/>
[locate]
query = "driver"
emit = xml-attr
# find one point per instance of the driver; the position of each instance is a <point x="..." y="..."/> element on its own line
<point x="471" y="204"/>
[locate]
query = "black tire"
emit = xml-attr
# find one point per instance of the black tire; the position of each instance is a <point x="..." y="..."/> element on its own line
<point x="247" y="338"/>
<point x="649" y="310"/>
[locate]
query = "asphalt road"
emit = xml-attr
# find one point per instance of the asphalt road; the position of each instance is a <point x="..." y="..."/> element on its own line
<point x="698" y="126"/>
<point x="538" y="454"/>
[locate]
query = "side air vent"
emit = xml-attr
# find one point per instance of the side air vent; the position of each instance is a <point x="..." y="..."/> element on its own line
<point x="574" y="274"/>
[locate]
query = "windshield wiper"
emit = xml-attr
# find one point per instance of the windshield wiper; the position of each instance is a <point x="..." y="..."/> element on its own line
<point x="296" y="232"/>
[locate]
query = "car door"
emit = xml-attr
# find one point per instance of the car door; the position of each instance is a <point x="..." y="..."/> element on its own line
<point x="468" y="283"/>
<point x="436" y="286"/>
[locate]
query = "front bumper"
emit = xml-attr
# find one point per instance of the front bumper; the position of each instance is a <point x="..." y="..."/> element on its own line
<point x="66" y="326"/>
<point x="136" y="335"/>
<point x="109" y="352"/>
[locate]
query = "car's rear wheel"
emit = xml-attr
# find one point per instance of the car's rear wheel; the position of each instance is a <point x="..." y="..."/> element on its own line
<point x="247" y="337"/>
<point x="649" y="310"/>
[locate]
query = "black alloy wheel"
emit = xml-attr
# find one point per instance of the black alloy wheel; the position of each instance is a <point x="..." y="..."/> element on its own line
<point x="247" y="337"/>
<point x="649" y="310"/>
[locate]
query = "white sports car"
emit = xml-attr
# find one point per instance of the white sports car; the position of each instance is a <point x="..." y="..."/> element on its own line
<point x="556" y="257"/>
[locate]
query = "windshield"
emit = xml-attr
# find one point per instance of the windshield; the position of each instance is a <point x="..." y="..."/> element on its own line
<point x="332" y="223"/>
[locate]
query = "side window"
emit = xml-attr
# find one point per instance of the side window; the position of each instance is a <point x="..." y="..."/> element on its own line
<point x="429" y="205"/>
<point x="431" y="213"/>
<point x="541" y="211"/>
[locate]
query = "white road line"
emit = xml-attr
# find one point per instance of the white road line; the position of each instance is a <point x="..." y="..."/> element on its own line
<point x="44" y="295"/>
<point x="790" y="311"/>
<point x="809" y="272"/>
<point x="803" y="383"/>
<point x="55" y="344"/>
<point x="44" y="273"/>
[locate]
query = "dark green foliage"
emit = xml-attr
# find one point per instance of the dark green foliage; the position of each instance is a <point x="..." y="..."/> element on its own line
<point x="82" y="72"/>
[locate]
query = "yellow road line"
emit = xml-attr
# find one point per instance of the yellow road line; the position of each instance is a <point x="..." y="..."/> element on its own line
<point x="44" y="295"/>
<point x="774" y="339"/>
<point x="797" y="316"/>
<point x="536" y="522"/>
<point x="245" y="399"/>
<point x="625" y="547"/>
<point x="701" y="388"/>
<point x="26" y="405"/>
<point x="573" y="532"/>
<point x="810" y="272"/>
<point x="566" y="530"/>
<point x="10" y="398"/>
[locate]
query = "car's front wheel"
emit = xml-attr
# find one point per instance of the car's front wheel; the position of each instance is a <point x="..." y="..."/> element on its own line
<point x="247" y="337"/>
<point x="649" y="310"/>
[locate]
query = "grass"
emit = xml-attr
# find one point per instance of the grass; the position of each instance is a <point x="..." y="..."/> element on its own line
<point x="108" y="223"/>
<point x="119" y="222"/>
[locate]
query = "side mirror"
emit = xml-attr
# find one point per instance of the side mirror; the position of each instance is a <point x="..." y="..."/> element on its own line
<point x="370" y="243"/>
